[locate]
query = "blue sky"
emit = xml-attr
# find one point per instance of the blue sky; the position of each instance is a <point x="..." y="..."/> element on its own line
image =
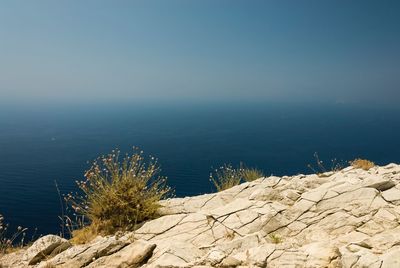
<point x="334" y="51"/>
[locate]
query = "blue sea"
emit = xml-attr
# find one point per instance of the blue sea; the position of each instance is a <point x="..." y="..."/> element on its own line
<point x="43" y="143"/>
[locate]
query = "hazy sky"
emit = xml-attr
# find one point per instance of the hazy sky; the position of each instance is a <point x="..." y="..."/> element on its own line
<point x="336" y="51"/>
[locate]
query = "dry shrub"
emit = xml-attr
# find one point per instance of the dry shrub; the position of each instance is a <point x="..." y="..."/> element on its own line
<point x="362" y="163"/>
<point x="251" y="174"/>
<point x="321" y="169"/>
<point x="11" y="241"/>
<point x="226" y="177"/>
<point x="116" y="195"/>
<point x="85" y="234"/>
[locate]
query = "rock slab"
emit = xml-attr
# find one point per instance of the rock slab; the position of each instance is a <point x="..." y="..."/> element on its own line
<point x="349" y="218"/>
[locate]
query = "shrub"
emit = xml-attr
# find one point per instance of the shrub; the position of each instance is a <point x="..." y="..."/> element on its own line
<point x="116" y="195"/>
<point x="362" y="163"/>
<point x="226" y="177"/>
<point x="251" y="174"/>
<point x="15" y="239"/>
<point x="84" y="234"/>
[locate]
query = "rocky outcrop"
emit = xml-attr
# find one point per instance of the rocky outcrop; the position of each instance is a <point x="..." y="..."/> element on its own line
<point x="44" y="247"/>
<point x="348" y="218"/>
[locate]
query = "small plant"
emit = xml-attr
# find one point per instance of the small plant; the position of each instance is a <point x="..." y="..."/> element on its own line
<point x="16" y="239"/>
<point x="251" y="174"/>
<point x="229" y="234"/>
<point x="84" y="234"/>
<point x="116" y="195"/>
<point x="276" y="239"/>
<point x="226" y="177"/>
<point x="321" y="168"/>
<point x="362" y="163"/>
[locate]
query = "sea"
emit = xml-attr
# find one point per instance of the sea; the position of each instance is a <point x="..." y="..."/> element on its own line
<point x="41" y="144"/>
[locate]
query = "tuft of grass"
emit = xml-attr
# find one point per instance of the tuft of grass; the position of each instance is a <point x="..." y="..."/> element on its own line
<point x="276" y="239"/>
<point x="362" y="163"/>
<point x="226" y="177"/>
<point x="117" y="194"/>
<point x="85" y="234"/>
<point x="229" y="234"/>
<point x="251" y="174"/>
<point x="11" y="241"/>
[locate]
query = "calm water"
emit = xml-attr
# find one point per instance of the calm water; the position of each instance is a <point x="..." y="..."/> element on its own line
<point x="41" y="144"/>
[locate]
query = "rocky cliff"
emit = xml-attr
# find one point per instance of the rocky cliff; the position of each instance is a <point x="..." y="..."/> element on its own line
<point x="348" y="218"/>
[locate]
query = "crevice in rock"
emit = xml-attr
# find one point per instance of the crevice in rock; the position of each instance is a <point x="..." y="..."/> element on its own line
<point x="245" y="188"/>
<point x="277" y="183"/>
<point x="166" y="230"/>
<point x="205" y="203"/>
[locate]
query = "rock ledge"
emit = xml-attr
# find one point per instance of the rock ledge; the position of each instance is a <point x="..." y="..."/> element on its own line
<point x="345" y="219"/>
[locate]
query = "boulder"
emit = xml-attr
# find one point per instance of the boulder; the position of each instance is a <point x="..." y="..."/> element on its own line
<point x="83" y="255"/>
<point x="130" y="256"/>
<point x="43" y="247"/>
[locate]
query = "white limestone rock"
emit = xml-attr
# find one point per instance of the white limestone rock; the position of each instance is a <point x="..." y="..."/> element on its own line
<point x="42" y="248"/>
<point x="131" y="256"/>
<point x="350" y="218"/>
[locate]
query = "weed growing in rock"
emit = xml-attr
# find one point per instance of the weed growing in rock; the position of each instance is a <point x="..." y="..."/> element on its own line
<point x="85" y="234"/>
<point x="320" y="168"/>
<point x="116" y="195"/>
<point x="276" y="239"/>
<point x="229" y="234"/>
<point x="12" y="240"/>
<point x="226" y="177"/>
<point x="362" y="163"/>
<point x="251" y="174"/>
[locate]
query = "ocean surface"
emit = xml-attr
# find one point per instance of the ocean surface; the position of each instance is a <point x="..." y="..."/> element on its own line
<point x="43" y="143"/>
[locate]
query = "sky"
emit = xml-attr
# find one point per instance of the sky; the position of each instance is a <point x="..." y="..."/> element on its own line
<point x="316" y="50"/>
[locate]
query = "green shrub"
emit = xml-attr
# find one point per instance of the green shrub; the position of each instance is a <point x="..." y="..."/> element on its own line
<point x="116" y="195"/>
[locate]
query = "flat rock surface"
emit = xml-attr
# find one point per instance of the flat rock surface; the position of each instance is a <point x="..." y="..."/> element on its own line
<point x="348" y="218"/>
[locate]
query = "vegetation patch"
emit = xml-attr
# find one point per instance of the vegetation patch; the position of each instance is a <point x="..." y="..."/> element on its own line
<point x="362" y="163"/>
<point x="227" y="176"/>
<point x="323" y="170"/>
<point x="117" y="194"/>
<point x="276" y="239"/>
<point x="85" y="234"/>
<point x="229" y="234"/>
<point x="10" y="241"/>
<point x="251" y="174"/>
